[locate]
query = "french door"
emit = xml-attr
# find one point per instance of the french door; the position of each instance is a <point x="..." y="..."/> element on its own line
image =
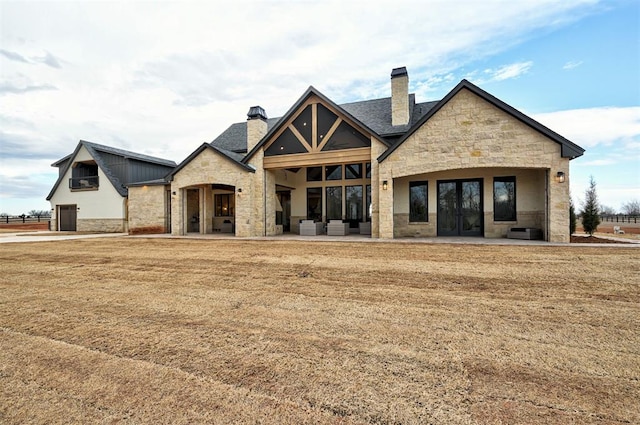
<point x="460" y="211"/>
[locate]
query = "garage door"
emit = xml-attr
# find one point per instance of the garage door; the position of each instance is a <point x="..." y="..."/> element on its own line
<point x="67" y="217"/>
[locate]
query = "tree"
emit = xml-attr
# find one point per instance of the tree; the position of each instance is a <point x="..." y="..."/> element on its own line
<point x="39" y="213"/>
<point x="631" y="208"/>
<point x="572" y="217"/>
<point x="590" y="209"/>
<point x="607" y="210"/>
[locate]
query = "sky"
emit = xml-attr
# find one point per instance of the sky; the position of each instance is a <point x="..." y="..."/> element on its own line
<point x="161" y="78"/>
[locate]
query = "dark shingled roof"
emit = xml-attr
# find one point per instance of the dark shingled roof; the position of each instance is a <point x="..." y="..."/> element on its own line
<point x="128" y="154"/>
<point x="94" y="150"/>
<point x="234" y="138"/>
<point x="375" y="114"/>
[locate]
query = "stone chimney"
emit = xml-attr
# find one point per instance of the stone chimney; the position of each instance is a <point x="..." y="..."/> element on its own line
<point x="256" y="126"/>
<point x="399" y="96"/>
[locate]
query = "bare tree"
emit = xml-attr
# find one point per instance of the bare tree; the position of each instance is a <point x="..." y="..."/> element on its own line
<point x="631" y="208"/>
<point x="607" y="210"/>
<point x="39" y="213"/>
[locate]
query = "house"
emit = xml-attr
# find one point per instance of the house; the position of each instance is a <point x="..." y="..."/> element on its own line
<point x="91" y="191"/>
<point x="466" y="165"/>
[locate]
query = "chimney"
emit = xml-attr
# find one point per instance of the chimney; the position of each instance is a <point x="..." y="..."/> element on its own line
<point x="256" y="126"/>
<point x="399" y="96"/>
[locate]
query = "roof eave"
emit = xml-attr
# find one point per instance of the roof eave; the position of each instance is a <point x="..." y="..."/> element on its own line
<point x="310" y="91"/>
<point x="568" y="148"/>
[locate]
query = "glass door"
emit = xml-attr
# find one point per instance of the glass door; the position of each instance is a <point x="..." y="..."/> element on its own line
<point x="460" y="211"/>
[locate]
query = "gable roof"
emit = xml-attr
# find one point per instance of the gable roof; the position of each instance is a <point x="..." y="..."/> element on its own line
<point x="94" y="150"/>
<point x="568" y="148"/>
<point x="309" y="92"/>
<point x="373" y="114"/>
<point x="234" y="157"/>
<point x="376" y="114"/>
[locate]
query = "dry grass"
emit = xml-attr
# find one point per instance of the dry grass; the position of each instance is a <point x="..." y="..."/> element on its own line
<point x="221" y="331"/>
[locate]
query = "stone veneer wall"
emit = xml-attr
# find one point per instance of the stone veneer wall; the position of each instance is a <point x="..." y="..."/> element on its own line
<point x="530" y="200"/>
<point x="469" y="132"/>
<point x="207" y="168"/>
<point x="147" y="209"/>
<point x="101" y="225"/>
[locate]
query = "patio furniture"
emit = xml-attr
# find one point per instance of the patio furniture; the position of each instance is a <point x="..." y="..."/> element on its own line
<point x="526" y="233"/>
<point x="365" y="228"/>
<point x="310" y="228"/>
<point x="337" y="228"/>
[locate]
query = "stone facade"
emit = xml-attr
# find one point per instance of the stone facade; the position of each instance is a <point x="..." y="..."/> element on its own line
<point x="469" y="133"/>
<point x="105" y="225"/>
<point x="206" y="169"/>
<point x="470" y="137"/>
<point x="147" y="209"/>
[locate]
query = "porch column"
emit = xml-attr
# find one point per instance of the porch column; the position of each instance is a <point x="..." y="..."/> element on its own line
<point x="177" y="211"/>
<point x="558" y="204"/>
<point x="385" y="207"/>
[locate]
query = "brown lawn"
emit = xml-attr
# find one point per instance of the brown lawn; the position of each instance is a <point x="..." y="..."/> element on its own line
<point x="220" y="331"/>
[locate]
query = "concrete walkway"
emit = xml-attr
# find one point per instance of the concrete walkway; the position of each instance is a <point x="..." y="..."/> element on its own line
<point x="46" y="236"/>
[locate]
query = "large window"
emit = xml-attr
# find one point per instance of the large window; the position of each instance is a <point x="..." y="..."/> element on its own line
<point x="354" y="204"/>
<point x="418" y="206"/>
<point x="504" y="198"/>
<point x="224" y="204"/>
<point x="334" y="203"/>
<point x="314" y="203"/>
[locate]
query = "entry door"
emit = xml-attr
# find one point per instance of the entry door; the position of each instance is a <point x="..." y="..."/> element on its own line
<point x="460" y="211"/>
<point x="67" y="215"/>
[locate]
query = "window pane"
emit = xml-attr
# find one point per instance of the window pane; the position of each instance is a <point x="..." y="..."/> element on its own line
<point x="314" y="174"/>
<point x="334" y="203"/>
<point x="368" y="205"/>
<point x="346" y="137"/>
<point x="286" y="144"/>
<point x="354" y="205"/>
<point x="504" y="199"/>
<point x="314" y="203"/>
<point x="418" y="206"/>
<point x="353" y="171"/>
<point x="326" y="118"/>
<point x="333" y="172"/>
<point x="303" y="124"/>
<point x="224" y="205"/>
<point x="368" y="171"/>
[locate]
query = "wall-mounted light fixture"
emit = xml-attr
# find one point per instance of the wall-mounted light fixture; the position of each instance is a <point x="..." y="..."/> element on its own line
<point x="173" y="193"/>
<point x="239" y="191"/>
<point x="560" y="177"/>
<point x="385" y="185"/>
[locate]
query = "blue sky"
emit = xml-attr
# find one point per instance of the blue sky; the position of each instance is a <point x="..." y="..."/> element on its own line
<point x="162" y="78"/>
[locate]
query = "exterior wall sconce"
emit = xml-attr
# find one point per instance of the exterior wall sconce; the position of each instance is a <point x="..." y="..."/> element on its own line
<point x="560" y="177"/>
<point x="239" y="191"/>
<point x="385" y="185"/>
<point x="173" y="193"/>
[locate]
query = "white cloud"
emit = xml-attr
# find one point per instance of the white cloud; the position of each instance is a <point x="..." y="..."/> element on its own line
<point x="506" y="72"/>
<point x="163" y="78"/>
<point x="596" y="126"/>
<point x="572" y="64"/>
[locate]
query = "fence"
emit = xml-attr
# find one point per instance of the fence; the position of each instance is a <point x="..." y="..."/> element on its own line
<point x="24" y="219"/>
<point x="619" y="218"/>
